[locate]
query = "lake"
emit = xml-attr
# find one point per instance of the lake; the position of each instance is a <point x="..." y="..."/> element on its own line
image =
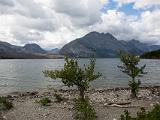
<point x="26" y="74"/>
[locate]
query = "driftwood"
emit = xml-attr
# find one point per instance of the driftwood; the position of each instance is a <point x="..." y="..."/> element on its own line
<point x="120" y="105"/>
<point x="123" y="106"/>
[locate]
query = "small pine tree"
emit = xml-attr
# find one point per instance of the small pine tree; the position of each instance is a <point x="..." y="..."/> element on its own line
<point x="131" y="68"/>
<point x="72" y="74"/>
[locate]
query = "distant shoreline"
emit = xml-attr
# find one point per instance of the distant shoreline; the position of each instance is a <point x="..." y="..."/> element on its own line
<point x="60" y="58"/>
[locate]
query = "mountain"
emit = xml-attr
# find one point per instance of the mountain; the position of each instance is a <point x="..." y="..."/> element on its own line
<point x="54" y="51"/>
<point x="103" y="45"/>
<point x="152" y="55"/>
<point x="34" y="48"/>
<point x="136" y="47"/>
<point x="29" y="51"/>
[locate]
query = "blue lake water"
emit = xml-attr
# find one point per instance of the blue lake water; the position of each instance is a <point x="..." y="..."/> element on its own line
<point x="24" y="75"/>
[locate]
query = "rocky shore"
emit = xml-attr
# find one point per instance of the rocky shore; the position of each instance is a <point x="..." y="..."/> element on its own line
<point x="109" y="103"/>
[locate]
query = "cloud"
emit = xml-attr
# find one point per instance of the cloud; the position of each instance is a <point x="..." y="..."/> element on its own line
<point x="140" y="4"/>
<point x="148" y="25"/>
<point x="82" y="12"/>
<point x="145" y="27"/>
<point x="118" y="24"/>
<point x="7" y="3"/>
<point x="53" y="23"/>
<point x="6" y="6"/>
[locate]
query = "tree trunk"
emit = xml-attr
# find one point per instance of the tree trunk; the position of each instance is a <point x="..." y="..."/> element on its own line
<point x="81" y="93"/>
<point x="133" y="90"/>
<point x="133" y="94"/>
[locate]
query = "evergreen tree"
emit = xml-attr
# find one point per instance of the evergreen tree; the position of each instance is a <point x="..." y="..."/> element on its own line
<point x="131" y="68"/>
<point x="72" y="74"/>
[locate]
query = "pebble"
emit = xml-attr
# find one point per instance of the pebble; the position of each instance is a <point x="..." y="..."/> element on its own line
<point x="4" y="117"/>
<point x="101" y="96"/>
<point x="151" y="104"/>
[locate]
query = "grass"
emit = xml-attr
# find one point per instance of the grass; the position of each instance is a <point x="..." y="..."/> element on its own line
<point x="5" y="104"/>
<point x="58" y="97"/>
<point x="44" y="101"/>
<point x="84" y="110"/>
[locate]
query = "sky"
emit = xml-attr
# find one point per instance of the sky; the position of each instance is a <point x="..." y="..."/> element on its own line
<point x="53" y="23"/>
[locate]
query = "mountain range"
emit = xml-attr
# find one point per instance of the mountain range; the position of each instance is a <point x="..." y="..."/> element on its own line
<point x="28" y="51"/>
<point x="104" y="45"/>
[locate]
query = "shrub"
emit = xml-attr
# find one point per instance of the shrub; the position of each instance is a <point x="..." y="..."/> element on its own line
<point x="134" y="86"/>
<point x="44" y="101"/>
<point x="5" y="104"/>
<point x="58" y="97"/>
<point x="72" y="74"/>
<point x="131" y="68"/>
<point x="83" y="110"/>
<point x="143" y="115"/>
<point x="126" y="116"/>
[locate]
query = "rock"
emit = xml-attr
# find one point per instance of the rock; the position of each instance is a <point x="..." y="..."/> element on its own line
<point x="45" y="115"/>
<point x="25" y="94"/>
<point x="47" y="93"/>
<point x="34" y="93"/>
<point x="1" y="117"/>
<point x="151" y="104"/>
<point x="4" y="117"/>
<point x="9" y="96"/>
<point x="105" y="104"/>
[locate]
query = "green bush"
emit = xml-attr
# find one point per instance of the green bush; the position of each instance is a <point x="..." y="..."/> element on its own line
<point x="72" y="74"/>
<point x="84" y="110"/>
<point x="58" y="97"/>
<point x="143" y="114"/>
<point x="131" y="67"/>
<point x="5" y="104"/>
<point x="134" y="86"/>
<point x="44" y="101"/>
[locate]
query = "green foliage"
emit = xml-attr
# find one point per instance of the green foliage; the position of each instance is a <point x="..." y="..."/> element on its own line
<point x="83" y="110"/>
<point x="44" y="101"/>
<point x="58" y="97"/>
<point x="134" y="86"/>
<point x="72" y="74"/>
<point x="5" y="104"/>
<point x="126" y="116"/>
<point x="152" y="55"/>
<point x="143" y="115"/>
<point x="131" y="68"/>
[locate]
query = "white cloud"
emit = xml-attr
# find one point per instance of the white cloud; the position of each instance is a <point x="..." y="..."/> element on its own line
<point x="145" y="28"/>
<point x="149" y="25"/>
<point x="118" y="24"/>
<point x="146" y="3"/>
<point x="81" y="13"/>
<point x="7" y="2"/>
<point x="140" y="4"/>
<point x="53" y="23"/>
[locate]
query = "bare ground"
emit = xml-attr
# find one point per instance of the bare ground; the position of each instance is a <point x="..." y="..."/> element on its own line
<point x="105" y="103"/>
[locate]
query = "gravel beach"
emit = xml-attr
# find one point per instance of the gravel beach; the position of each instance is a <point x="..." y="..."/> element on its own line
<point x="109" y="103"/>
